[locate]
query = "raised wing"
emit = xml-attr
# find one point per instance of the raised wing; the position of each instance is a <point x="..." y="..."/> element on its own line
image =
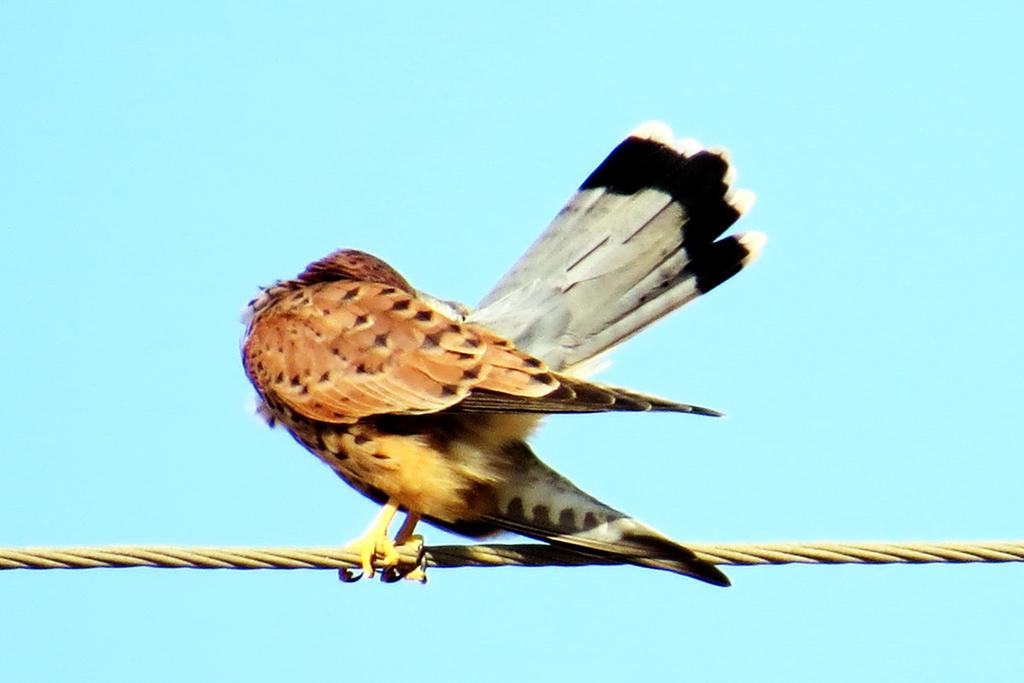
<point x="637" y="240"/>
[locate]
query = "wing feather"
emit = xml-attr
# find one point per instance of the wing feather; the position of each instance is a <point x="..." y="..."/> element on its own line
<point x="337" y="357"/>
<point x="574" y="395"/>
<point x="387" y="352"/>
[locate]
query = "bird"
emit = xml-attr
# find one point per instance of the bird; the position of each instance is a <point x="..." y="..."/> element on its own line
<point x="425" y="405"/>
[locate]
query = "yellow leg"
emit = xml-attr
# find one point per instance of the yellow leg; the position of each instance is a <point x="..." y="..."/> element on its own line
<point x="405" y="535"/>
<point x="375" y="541"/>
<point x="405" y="532"/>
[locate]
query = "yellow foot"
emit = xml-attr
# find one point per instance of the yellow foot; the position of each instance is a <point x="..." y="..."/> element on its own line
<point x="380" y="551"/>
<point x="374" y="547"/>
<point x="374" y="543"/>
<point x="418" y="572"/>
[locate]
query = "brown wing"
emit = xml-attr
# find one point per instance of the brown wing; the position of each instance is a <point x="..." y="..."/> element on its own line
<point x="574" y="395"/>
<point x="344" y="350"/>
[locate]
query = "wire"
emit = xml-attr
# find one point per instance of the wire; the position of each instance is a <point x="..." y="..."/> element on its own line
<point x="524" y="555"/>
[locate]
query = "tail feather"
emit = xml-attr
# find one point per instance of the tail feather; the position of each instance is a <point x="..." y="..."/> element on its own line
<point x="638" y="545"/>
<point x="636" y="241"/>
<point x="540" y="503"/>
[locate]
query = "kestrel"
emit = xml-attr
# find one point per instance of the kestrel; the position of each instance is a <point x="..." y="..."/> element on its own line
<point x="424" y="406"/>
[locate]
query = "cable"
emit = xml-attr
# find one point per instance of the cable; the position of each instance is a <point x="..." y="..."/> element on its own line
<point x="531" y="555"/>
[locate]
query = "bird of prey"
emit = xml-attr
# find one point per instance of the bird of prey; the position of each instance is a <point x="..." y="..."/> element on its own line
<point x="424" y="405"/>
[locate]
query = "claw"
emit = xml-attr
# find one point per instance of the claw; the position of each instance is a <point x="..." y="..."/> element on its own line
<point x="374" y="544"/>
<point x="407" y="571"/>
<point x="345" y="575"/>
<point x="390" y="575"/>
<point x="375" y="541"/>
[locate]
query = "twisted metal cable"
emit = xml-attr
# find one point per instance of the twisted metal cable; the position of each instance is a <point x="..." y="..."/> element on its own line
<point x="528" y="555"/>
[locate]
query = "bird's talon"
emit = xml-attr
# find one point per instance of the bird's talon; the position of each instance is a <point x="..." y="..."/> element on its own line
<point x="396" y="574"/>
<point x="390" y="575"/>
<point x="375" y="548"/>
<point x="345" y="575"/>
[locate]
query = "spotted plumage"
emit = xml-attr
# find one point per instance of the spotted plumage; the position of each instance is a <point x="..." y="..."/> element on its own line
<point x="426" y="406"/>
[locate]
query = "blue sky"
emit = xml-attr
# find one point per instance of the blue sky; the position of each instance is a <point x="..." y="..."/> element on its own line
<point x="160" y="162"/>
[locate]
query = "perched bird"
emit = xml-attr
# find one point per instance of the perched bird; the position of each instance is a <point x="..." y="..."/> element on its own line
<point x="424" y="405"/>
